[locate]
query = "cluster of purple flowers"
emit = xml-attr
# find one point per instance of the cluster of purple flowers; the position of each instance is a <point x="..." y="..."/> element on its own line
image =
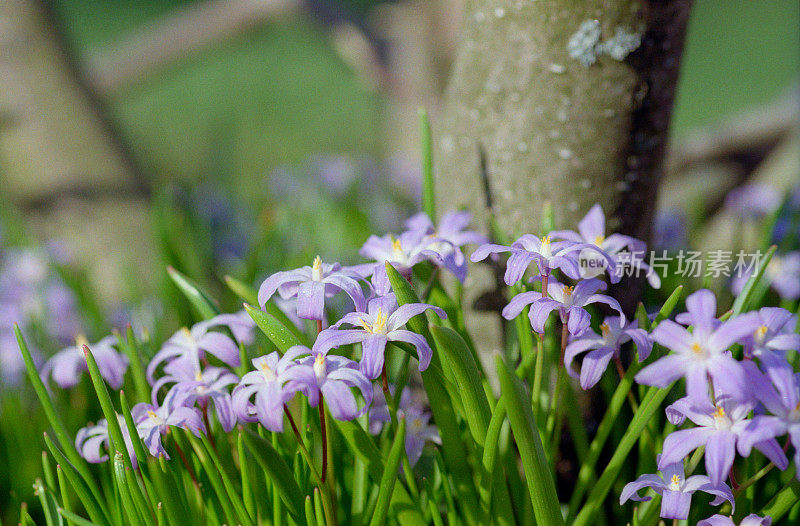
<point x="194" y="366"/>
<point x="722" y="391"/>
<point x="32" y="295"/>
<point x="576" y="253"/>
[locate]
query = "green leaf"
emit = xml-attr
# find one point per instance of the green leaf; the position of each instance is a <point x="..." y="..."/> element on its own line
<point x="137" y="367"/>
<point x="78" y="484"/>
<point x="781" y="503"/>
<point x="668" y="306"/>
<point x="221" y="495"/>
<point x="277" y="332"/>
<point x="74" y="519"/>
<point x="453" y="449"/>
<point x="309" y="508"/>
<point x="742" y="300"/>
<point x="64" y="440"/>
<point x="202" y="302"/>
<point x="128" y="506"/>
<point x="279" y="472"/>
<point x="426" y="151"/>
<point x="245" y="292"/>
<point x="546" y="507"/>
<point x="649" y="406"/>
<point x="402" y="506"/>
<point x="389" y="476"/>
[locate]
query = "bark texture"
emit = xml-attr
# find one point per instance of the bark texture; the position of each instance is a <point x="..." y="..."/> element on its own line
<point x="556" y="123"/>
<point x="570" y="101"/>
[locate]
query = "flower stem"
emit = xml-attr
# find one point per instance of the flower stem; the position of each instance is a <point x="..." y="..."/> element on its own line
<point x="185" y="462"/>
<point x="319" y="326"/>
<point x="545" y="279"/>
<point x="207" y="423"/>
<point x="621" y="372"/>
<point x="324" y="428"/>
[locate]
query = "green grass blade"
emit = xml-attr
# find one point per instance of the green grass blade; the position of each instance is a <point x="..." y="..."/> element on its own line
<point x="389" y="476"/>
<point x="311" y="520"/>
<point x="402" y="506"/>
<point x="278" y="333"/>
<point x="137" y="368"/>
<point x="244" y="291"/>
<point x="668" y="306"/>
<point x="541" y="486"/>
<point x="650" y="404"/>
<point x="279" y="472"/>
<point x="426" y="151"/>
<point x="75" y="519"/>
<point x="742" y="300"/>
<point x="79" y="486"/>
<point x="202" y="302"/>
<point x="783" y="501"/>
<point x="453" y="449"/>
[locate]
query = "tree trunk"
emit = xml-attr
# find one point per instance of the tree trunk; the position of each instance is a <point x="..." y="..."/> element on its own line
<point x="570" y="100"/>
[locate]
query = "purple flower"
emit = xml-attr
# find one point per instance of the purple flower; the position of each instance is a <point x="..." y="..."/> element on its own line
<point x="66" y="366"/>
<point x="380" y="324"/>
<point x="419" y="430"/>
<point x="152" y="422"/>
<point x="669" y="230"/>
<point x="781" y="397"/>
<point x="91" y="441"/>
<point x="675" y="490"/>
<point x="199" y="340"/>
<point x="592" y="231"/>
<point x="273" y="383"/>
<point x="311" y="285"/>
<point x="701" y="353"/>
<point x="200" y="387"/>
<point x="782" y="273"/>
<point x="723" y="520"/>
<point x="602" y="347"/>
<point x="448" y="238"/>
<point x="333" y="378"/>
<point x="753" y="200"/>
<point x="773" y="337"/>
<point x="569" y="301"/>
<point x="547" y="255"/>
<point x="722" y="429"/>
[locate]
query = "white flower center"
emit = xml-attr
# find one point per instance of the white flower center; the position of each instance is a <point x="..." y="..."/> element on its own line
<point x="267" y="372"/>
<point x="760" y="334"/>
<point x="675" y="483"/>
<point x="320" y="367"/>
<point x="721" y="420"/>
<point x="155" y="418"/>
<point x="545" y="249"/>
<point x="378" y="326"/>
<point x="316" y="269"/>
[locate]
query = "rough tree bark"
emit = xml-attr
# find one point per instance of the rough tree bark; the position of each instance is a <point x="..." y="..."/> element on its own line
<point x="570" y="101"/>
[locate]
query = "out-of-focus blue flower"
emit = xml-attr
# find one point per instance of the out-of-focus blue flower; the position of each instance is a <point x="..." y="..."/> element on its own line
<point x="753" y="200"/>
<point x="152" y="422"/>
<point x="602" y="347"/>
<point x="568" y="301"/>
<point x="702" y="353"/>
<point x="200" y="339"/>
<point x="92" y="441"/>
<point x="66" y="366"/>
<point x="379" y="324"/>
<point x="722" y="428"/>
<point x="311" y="285"/>
<point x="724" y="520"/>
<point x="419" y="430"/>
<point x="669" y="230"/>
<point x="675" y="490"/>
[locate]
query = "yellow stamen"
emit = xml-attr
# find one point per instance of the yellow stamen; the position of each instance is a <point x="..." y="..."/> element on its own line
<point x="153" y="415"/>
<point x="379" y="326"/>
<point x="696" y="348"/>
<point x="675" y="483"/>
<point x="599" y="240"/>
<point x="198" y="376"/>
<point x="266" y="371"/>
<point x="568" y="291"/>
<point x="720" y="412"/>
<point x="397" y="248"/>
<point x="319" y="366"/>
<point x="316" y="269"/>
<point x="761" y="331"/>
<point x="546" y="240"/>
<point x="604" y="328"/>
